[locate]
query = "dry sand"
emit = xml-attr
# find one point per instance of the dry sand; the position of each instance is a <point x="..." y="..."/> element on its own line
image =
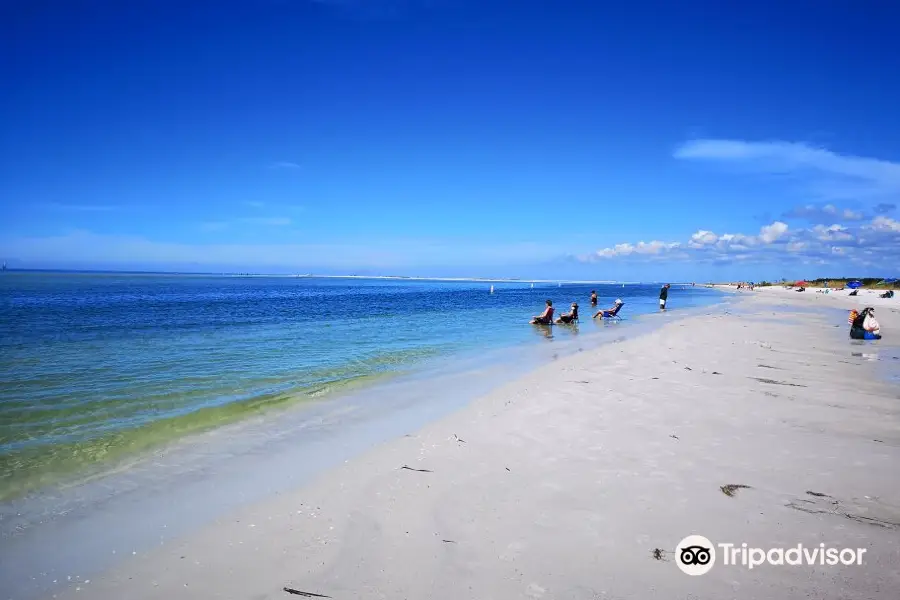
<point x="561" y="485"/>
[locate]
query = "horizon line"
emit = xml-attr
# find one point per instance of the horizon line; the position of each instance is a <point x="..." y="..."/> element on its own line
<point x="342" y="276"/>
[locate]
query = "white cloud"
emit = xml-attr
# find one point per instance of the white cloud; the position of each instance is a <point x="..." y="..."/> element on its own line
<point x="828" y="174"/>
<point x="703" y="238"/>
<point x="643" y="248"/>
<point x="882" y="223"/>
<point x="850" y="215"/>
<point x="832" y="233"/>
<point x="734" y="240"/>
<point x="878" y="239"/>
<point x="774" y="232"/>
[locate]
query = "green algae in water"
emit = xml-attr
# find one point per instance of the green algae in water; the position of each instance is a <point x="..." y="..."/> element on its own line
<point x="28" y="470"/>
<point x="99" y="368"/>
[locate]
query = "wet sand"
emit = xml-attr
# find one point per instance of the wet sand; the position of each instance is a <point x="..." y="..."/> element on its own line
<point x="566" y="482"/>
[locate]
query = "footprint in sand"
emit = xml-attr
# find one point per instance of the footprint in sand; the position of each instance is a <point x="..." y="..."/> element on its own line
<point x="535" y="591"/>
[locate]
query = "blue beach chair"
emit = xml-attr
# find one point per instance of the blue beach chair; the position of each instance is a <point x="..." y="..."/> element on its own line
<point x="612" y="314"/>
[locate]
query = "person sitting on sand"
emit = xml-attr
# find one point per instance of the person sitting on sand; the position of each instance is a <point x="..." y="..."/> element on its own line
<point x="569" y="317"/>
<point x="545" y="318"/>
<point x="863" y="325"/>
<point x="593" y="298"/>
<point x="610" y="312"/>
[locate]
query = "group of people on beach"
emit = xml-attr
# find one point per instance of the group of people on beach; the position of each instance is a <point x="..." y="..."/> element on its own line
<point x="546" y="317"/>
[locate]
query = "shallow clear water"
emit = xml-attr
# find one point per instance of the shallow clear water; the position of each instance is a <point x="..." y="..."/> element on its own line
<point x="94" y="367"/>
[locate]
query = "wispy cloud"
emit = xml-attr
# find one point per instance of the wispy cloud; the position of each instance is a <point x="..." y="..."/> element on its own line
<point x="826" y="174"/>
<point x="828" y="213"/>
<point x="284" y="165"/>
<point x="82" y="207"/>
<point x="254" y="204"/>
<point x="223" y="224"/>
<point x="884" y="208"/>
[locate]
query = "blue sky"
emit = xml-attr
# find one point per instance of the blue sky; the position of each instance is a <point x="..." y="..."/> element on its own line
<point x="585" y="139"/>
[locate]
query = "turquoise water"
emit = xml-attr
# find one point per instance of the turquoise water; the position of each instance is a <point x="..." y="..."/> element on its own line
<point x="94" y="367"/>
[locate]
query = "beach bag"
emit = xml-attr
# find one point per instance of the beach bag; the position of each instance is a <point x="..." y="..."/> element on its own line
<point x="870" y="324"/>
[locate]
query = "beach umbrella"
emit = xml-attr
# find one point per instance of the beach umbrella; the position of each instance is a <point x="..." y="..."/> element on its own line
<point x="854" y="285"/>
<point x="800" y="284"/>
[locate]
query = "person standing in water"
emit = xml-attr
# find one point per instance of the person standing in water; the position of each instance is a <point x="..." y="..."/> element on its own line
<point x="663" y="296"/>
<point x="593" y="298"/>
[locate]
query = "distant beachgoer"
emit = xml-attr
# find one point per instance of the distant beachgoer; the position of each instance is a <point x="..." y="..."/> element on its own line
<point x="569" y="317"/>
<point x="593" y="298"/>
<point x="663" y="296"/>
<point x="863" y="325"/>
<point x="545" y="318"/>
<point x="612" y="312"/>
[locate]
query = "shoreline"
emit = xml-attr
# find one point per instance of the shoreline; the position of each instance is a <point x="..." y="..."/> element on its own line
<point x="92" y="458"/>
<point x="338" y="428"/>
<point x="562" y="481"/>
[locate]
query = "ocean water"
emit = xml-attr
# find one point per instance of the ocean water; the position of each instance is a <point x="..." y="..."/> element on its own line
<point x="98" y="367"/>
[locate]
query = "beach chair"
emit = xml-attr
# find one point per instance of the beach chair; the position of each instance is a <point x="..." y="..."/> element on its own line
<point x="612" y="314"/>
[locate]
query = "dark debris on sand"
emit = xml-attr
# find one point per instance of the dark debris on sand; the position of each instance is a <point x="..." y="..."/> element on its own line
<point x="730" y="489"/>
<point x="774" y="382"/>
<point x="304" y="594"/>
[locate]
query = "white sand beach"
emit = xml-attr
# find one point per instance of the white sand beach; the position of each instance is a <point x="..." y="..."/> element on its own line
<point x="562" y="484"/>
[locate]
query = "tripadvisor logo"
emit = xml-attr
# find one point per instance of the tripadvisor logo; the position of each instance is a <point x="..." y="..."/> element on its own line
<point x="696" y="555"/>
